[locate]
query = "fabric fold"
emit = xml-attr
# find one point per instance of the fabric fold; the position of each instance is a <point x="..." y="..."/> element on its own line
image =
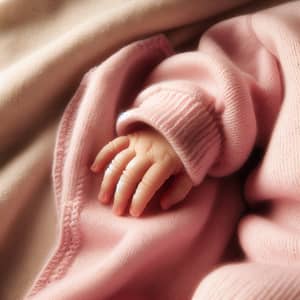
<point x="236" y="92"/>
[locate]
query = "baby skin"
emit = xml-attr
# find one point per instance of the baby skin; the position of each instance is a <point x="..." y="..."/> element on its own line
<point x="139" y="164"/>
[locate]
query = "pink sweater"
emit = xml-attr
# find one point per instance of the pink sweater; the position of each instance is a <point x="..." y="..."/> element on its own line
<point x="239" y="91"/>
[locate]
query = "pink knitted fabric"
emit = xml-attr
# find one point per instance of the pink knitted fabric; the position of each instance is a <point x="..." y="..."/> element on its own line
<point x="239" y="91"/>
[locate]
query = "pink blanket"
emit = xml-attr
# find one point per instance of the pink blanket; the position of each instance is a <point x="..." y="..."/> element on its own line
<point x="250" y="68"/>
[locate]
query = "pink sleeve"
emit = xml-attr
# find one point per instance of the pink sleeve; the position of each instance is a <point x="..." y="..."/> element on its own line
<point x="214" y="104"/>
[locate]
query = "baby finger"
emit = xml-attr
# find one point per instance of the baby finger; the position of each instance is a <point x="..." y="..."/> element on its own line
<point x="151" y="182"/>
<point x="113" y="173"/>
<point x="129" y="179"/>
<point x="177" y="190"/>
<point x="108" y="152"/>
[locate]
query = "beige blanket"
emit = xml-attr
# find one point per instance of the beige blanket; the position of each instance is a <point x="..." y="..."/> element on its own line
<point x="45" y="48"/>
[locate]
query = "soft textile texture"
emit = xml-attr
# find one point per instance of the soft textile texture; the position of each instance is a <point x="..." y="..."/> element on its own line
<point x="45" y="48"/>
<point x="239" y="91"/>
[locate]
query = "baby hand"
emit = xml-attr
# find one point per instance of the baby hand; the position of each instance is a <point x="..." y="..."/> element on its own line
<point x="140" y="163"/>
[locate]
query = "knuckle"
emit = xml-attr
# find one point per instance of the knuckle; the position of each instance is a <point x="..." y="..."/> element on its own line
<point x="114" y="165"/>
<point x="133" y="136"/>
<point x="166" y="158"/>
<point x="113" y="145"/>
<point x="147" y="183"/>
<point x="126" y="175"/>
<point x="149" y="146"/>
<point x="172" y="162"/>
<point x="167" y="162"/>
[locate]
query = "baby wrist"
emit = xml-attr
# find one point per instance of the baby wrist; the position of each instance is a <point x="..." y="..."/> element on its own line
<point x="186" y="117"/>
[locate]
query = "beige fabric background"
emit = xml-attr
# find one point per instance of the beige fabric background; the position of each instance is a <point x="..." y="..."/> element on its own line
<point x="45" y="48"/>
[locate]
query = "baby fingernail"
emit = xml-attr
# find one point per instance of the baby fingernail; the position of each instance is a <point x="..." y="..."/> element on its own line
<point x="103" y="197"/>
<point x="134" y="212"/>
<point x="117" y="210"/>
<point x="93" y="167"/>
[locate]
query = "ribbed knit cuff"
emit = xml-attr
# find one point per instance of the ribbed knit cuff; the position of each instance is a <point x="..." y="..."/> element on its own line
<point x="185" y="115"/>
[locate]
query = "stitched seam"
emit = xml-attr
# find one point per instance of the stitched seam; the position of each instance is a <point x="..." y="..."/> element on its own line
<point x="62" y="145"/>
<point x="66" y="251"/>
